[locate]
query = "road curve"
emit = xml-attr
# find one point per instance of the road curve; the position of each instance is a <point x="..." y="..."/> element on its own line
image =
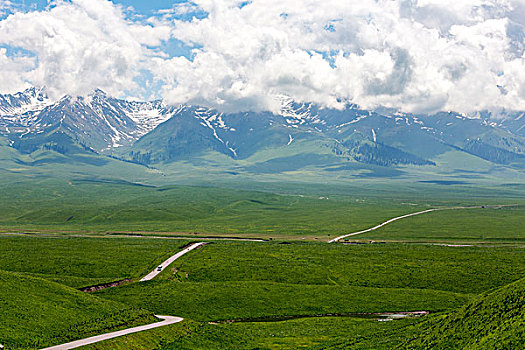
<point x="382" y="224"/>
<point x="413" y="214"/>
<point x="166" y="320"/>
<point x="166" y="263"/>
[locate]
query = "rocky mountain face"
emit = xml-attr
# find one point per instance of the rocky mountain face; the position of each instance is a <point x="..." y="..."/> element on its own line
<point x="153" y="132"/>
<point x="95" y="123"/>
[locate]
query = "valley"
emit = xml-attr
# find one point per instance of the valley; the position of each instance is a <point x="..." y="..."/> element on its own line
<point x="266" y="285"/>
<point x="262" y="175"/>
<point x="317" y="223"/>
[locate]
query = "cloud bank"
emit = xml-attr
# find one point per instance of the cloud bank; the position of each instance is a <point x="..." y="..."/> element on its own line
<point x="413" y="55"/>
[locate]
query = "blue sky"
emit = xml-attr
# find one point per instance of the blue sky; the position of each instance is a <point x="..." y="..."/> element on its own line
<point x="143" y="7"/>
<point x="147" y="7"/>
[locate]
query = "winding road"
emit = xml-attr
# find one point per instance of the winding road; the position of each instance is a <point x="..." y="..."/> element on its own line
<point x="166" y="320"/>
<point x="409" y="215"/>
<point x="381" y="225"/>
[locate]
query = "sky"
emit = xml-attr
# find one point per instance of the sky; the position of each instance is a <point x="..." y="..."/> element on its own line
<point x="417" y="56"/>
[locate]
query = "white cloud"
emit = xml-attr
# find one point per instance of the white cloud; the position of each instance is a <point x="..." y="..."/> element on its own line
<point x="80" y="46"/>
<point x="415" y="55"/>
<point x="10" y="72"/>
<point x="180" y="9"/>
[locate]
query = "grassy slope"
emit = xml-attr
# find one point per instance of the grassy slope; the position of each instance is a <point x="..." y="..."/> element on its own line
<point x="493" y="321"/>
<point x="311" y="333"/>
<point x="247" y="280"/>
<point x="37" y="313"/>
<point x="80" y="262"/>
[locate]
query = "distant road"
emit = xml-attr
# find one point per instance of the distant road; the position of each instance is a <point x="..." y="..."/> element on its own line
<point x="413" y="214"/>
<point x="166" y="320"/>
<point x="381" y="225"/>
<point x="168" y="262"/>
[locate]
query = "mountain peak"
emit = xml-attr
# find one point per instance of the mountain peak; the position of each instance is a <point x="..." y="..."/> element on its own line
<point x="99" y="93"/>
<point x="35" y="91"/>
<point x="30" y="100"/>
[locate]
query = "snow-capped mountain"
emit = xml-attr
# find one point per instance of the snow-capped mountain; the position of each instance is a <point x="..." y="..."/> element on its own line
<point x="146" y="115"/>
<point x="97" y="121"/>
<point x="305" y="133"/>
<point x="30" y="100"/>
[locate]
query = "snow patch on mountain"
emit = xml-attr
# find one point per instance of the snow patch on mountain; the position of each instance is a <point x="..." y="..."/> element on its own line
<point x="30" y="100"/>
<point x="149" y="115"/>
<point x="298" y="113"/>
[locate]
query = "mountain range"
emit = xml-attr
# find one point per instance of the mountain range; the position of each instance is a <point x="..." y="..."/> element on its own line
<point x="299" y="136"/>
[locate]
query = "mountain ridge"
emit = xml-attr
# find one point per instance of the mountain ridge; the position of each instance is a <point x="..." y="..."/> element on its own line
<point x="154" y="133"/>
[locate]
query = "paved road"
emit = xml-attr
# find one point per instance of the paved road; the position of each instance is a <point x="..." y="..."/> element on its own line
<point x="166" y="320"/>
<point x="413" y="214"/>
<point x="166" y="263"/>
<point x="381" y="225"/>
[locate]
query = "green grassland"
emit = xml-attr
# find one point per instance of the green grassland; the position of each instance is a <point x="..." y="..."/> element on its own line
<point x="494" y="320"/>
<point x="308" y="333"/>
<point x="220" y="301"/>
<point x="257" y="280"/>
<point x="102" y="207"/>
<point x="417" y="266"/>
<point x="36" y="313"/>
<point x="505" y="224"/>
<point x="80" y="221"/>
<point x="249" y="280"/>
<point x="283" y="211"/>
<point x="84" y="261"/>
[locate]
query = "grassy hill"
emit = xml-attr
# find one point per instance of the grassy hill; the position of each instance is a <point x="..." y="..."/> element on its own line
<point x="80" y="262"/>
<point x="492" y="321"/>
<point x="234" y="280"/>
<point x="36" y="313"/>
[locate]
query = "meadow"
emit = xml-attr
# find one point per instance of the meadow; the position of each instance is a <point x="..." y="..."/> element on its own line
<point x="393" y="265"/>
<point x="109" y="207"/>
<point x="241" y="280"/>
<point x="222" y="301"/>
<point x="81" y="237"/>
<point x="500" y="224"/>
<point x="307" y="333"/>
<point x="36" y="313"/>
<point x="493" y="320"/>
<point x="84" y="261"/>
<point x="286" y="211"/>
